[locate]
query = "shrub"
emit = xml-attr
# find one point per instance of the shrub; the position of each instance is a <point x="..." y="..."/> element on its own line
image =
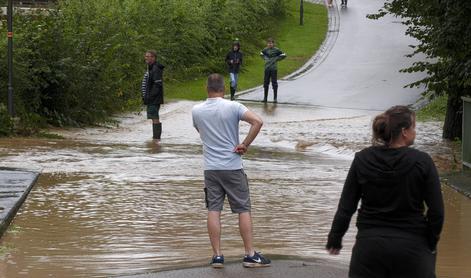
<point x="81" y="61"/>
<point x="6" y="124"/>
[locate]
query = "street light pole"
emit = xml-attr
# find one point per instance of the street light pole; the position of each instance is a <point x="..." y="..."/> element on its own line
<point x="11" y="109"/>
<point x="301" y="13"/>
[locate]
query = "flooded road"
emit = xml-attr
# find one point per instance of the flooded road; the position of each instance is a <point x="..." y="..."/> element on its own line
<point x="109" y="202"/>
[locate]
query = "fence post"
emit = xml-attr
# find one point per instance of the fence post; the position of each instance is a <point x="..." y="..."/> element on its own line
<point x="466" y="140"/>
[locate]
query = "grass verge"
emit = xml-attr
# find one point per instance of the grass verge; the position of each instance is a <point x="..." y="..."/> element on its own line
<point x="298" y="42"/>
<point x="433" y="111"/>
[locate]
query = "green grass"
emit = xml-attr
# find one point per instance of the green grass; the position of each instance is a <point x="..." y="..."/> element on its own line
<point x="298" y="42"/>
<point x="433" y="111"/>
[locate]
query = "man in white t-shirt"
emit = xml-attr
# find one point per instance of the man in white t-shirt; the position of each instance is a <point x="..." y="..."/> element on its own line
<point x="217" y="121"/>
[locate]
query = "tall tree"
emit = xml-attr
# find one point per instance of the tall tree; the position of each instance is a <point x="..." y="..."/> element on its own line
<point x="443" y="29"/>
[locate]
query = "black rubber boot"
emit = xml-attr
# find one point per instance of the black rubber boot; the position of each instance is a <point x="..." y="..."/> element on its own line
<point x="232" y="93"/>
<point x="157" y="131"/>
<point x="275" y="95"/>
<point x="265" y="94"/>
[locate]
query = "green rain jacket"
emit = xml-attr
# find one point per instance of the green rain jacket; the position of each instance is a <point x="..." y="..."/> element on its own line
<point x="271" y="57"/>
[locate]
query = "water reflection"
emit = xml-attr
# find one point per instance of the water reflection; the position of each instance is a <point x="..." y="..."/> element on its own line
<point x="111" y="202"/>
<point x="454" y="247"/>
<point x="269" y="109"/>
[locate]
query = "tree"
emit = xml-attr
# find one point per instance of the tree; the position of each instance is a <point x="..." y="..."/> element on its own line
<point x="443" y="30"/>
<point x="80" y="61"/>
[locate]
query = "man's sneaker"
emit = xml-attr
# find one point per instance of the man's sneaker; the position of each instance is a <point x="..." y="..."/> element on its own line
<point x="257" y="260"/>
<point x="217" y="261"/>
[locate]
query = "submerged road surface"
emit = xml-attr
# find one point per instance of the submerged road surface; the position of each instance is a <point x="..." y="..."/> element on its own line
<point x="111" y="203"/>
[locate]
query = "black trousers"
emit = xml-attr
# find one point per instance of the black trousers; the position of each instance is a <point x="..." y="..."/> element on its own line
<point x="388" y="257"/>
<point x="270" y="74"/>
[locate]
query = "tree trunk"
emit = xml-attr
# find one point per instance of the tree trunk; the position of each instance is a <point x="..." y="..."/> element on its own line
<point x="452" y="127"/>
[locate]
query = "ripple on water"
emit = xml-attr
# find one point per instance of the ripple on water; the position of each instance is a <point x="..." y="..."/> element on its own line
<point x="111" y="202"/>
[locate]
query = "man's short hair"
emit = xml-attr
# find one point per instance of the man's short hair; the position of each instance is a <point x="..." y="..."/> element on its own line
<point x="152" y="52"/>
<point x="271" y="40"/>
<point x="215" y="83"/>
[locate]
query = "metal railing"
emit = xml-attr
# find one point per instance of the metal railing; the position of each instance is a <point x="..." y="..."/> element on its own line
<point x="466" y="140"/>
<point x="29" y="3"/>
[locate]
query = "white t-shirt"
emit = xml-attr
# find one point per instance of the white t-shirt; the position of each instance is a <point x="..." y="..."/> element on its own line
<point x="217" y="121"/>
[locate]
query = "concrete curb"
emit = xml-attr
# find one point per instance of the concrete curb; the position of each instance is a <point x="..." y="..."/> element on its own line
<point x="15" y="186"/>
<point x="460" y="182"/>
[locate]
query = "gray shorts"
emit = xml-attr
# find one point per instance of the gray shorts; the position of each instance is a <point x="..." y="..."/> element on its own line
<point x="233" y="183"/>
<point x="153" y="111"/>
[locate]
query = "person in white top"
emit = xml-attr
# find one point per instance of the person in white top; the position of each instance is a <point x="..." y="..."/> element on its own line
<point x="217" y="121"/>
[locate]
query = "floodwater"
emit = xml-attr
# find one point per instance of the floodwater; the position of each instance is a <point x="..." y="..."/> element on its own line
<point x="109" y="202"/>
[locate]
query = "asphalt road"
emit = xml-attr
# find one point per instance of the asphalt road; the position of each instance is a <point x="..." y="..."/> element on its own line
<point x="280" y="269"/>
<point x="357" y="67"/>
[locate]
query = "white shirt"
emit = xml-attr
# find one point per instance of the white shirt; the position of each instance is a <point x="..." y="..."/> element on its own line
<point x="217" y="121"/>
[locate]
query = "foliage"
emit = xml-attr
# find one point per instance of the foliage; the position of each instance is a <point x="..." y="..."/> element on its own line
<point x="443" y="30"/>
<point x="299" y="42"/>
<point x="6" y="123"/>
<point x="82" y="60"/>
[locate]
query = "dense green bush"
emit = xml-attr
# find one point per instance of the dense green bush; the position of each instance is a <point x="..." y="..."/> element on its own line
<point x="82" y="60"/>
<point x="6" y="124"/>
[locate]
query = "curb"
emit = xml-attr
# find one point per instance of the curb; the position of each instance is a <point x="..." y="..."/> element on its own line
<point x="15" y="186"/>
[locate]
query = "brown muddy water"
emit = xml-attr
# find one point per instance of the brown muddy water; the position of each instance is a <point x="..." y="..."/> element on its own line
<point x="109" y="202"/>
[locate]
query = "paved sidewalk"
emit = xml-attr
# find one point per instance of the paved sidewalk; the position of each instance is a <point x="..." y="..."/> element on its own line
<point x="279" y="269"/>
<point x="461" y="182"/>
<point x="15" y="186"/>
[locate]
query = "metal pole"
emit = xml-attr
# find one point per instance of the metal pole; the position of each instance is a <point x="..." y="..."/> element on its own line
<point x="11" y="109"/>
<point x="301" y="13"/>
<point x="466" y="137"/>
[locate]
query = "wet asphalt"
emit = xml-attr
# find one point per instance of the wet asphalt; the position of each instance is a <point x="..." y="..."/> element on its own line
<point x="15" y="186"/>
<point x="281" y="268"/>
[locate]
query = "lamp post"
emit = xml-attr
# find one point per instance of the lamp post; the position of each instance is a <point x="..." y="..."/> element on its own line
<point x="301" y="13"/>
<point x="11" y="109"/>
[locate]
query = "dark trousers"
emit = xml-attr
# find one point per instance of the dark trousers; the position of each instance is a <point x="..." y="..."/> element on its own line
<point x="270" y="74"/>
<point x="388" y="257"/>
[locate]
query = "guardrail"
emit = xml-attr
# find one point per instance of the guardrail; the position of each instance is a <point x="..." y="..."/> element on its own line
<point x="29" y="3"/>
<point x="32" y="3"/>
<point x="466" y="140"/>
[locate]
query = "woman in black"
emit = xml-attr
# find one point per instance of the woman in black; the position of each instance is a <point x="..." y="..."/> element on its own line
<point x="397" y="236"/>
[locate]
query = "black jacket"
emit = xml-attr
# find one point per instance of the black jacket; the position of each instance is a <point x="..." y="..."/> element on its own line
<point x="234" y="60"/>
<point x="154" y="89"/>
<point x="393" y="185"/>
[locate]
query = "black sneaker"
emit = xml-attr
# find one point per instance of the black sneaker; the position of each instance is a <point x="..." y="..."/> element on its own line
<point x="257" y="260"/>
<point x="217" y="261"/>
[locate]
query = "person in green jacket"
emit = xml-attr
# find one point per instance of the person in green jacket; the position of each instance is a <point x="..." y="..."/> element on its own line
<point x="271" y="55"/>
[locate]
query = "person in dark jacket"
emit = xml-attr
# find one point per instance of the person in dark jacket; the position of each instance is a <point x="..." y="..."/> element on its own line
<point x="234" y="61"/>
<point x="397" y="236"/>
<point x="153" y="92"/>
<point x="271" y="55"/>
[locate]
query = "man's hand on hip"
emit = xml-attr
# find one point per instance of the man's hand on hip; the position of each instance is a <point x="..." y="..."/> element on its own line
<point x="240" y="149"/>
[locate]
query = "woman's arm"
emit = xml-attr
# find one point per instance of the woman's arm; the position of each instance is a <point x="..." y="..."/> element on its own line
<point x="348" y="203"/>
